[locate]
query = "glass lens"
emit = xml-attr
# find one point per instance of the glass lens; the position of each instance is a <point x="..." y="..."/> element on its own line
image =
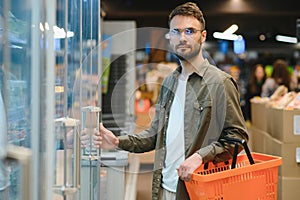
<point x="175" y="32"/>
<point x="189" y="31"/>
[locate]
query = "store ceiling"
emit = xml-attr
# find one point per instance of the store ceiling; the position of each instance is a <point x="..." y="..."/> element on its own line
<point x="270" y="17"/>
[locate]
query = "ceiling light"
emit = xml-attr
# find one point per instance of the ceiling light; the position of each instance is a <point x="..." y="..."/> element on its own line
<point x="262" y="37"/>
<point x="288" y="39"/>
<point x="228" y="33"/>
<point x="233" y="28"/>
<point x="219" y="35"/>
<point x="59" y="33"/>
<point x="42" y="27"/>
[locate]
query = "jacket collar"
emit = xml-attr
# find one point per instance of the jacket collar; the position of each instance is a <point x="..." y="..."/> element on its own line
<point x="199" y="69"/>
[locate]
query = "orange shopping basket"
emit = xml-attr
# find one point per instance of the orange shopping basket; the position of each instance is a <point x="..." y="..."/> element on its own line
<point x="250" y="176"/>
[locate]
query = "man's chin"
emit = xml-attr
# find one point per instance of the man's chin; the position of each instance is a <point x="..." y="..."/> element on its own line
<point x="183" y="57"/>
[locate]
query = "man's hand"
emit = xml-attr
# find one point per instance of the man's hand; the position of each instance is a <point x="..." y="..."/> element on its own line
<point x="187" y="168"/>
<point x="86" y="133"/>
<point x="105" y="138"/>
<point x="101" y="139"/>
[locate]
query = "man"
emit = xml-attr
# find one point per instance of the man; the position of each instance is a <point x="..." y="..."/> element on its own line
<point x="198" y="105"/>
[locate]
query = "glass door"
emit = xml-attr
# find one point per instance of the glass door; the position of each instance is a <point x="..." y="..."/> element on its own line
<point x="49" y="99"/>
<point x="76" y="99"/>
<point x="27" y="85"/>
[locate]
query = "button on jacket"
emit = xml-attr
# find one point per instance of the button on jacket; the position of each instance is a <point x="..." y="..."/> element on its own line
<point x="212" y="111"/>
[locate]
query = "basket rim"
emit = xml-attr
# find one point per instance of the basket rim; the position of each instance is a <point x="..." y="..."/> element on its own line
<point x="266" y="162"/>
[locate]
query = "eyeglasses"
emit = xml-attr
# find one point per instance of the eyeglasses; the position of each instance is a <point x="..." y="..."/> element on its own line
<point x="187" y="31"/>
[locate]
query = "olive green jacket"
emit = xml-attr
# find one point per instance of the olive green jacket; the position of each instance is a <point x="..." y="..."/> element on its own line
<point x="212" y="111"/>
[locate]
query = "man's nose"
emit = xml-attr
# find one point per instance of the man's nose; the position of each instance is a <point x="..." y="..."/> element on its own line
<point x="182" y="35"/>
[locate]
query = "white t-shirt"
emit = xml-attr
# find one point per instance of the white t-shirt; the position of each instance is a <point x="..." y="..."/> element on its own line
<point x="175" y="139"/>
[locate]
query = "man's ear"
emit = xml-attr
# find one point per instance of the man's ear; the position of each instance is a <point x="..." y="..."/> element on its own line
<point x="203" y="36"/>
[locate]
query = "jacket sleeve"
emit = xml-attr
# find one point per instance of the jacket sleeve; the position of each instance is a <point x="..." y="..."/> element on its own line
<point x="233" y="126"/>
<point x="141" y="142"/>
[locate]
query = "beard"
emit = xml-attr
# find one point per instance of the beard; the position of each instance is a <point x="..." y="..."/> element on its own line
<point x="189" y="55"/>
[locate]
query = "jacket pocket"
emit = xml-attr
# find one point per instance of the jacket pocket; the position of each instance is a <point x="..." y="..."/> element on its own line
<point x="201" y="105"/>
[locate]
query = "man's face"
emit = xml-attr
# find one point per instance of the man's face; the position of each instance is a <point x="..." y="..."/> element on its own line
<point x="186" y="36"/>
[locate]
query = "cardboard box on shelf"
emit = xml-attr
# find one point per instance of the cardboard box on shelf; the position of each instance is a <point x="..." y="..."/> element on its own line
<point x="269" y="119"/>
<point x="290" y="153"/>
<point x="288" y="188"/>
<point x="285" y="124"/>
<point x="259" y="116"/>
<point x="259" y="139"/>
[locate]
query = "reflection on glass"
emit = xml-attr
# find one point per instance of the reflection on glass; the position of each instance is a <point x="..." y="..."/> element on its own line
<point x="14" y="41"/>
<point x="17" y="73"/>
<point x="15" y="180"/>
<point x="67" y="156"/>
<point x="91" y="117"/>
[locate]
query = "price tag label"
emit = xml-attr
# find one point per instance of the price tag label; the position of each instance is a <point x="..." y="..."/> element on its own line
<point x="297" y="125"/>
<point x="298" y="155"/>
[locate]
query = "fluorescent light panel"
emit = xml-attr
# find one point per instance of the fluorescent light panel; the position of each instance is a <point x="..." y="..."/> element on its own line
<point x="222" y="36"/>
<point x="228" y="33"/>
<point x="233" y="28"/>
<point x="288" y="39"/>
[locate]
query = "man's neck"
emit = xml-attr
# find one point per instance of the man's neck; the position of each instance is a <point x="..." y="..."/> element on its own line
<point x="188" y="67"/>
<point x="187" y="70"/>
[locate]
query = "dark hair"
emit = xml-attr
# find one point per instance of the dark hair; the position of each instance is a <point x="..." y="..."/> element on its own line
<point x="188" y="9"/>
<point x="253" y="79"/>
<point x="280" y="73"/>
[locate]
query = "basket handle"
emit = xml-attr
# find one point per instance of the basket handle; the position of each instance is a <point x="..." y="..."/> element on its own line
<point x="236" y="142"/>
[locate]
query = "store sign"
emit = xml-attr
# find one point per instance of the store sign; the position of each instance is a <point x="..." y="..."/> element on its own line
<point x="239" y="46"/>
<point x="223" y="46"/>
